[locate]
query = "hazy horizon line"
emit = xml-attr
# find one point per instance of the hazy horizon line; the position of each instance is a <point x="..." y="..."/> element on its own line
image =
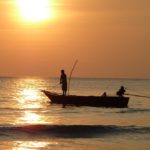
<point x="78" y="77"/>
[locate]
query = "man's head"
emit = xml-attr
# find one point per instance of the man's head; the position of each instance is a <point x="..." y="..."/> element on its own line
<point x="62" y="71"/>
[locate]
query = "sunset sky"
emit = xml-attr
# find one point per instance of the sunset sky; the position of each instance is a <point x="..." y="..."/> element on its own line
<point x="110" y="38"/>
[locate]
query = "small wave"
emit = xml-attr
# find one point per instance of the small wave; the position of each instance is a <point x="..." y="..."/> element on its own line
<point x="136" y="110"/>
<point x="7" y="101"/>
<point x="69" y="131"/>
<point x="21" y="109"/>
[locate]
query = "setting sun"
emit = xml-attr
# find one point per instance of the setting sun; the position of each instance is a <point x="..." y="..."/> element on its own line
<point x="35" y="10"/>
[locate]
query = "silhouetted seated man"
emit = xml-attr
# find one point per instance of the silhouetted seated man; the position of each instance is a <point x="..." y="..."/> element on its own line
<point x="121" y="91"/>
<point x="63" y="81"/>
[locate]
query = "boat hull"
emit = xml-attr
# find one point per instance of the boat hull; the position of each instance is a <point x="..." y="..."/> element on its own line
<point x="94" y="101"/>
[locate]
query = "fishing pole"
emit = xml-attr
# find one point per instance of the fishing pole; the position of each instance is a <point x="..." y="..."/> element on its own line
<point x="136" y="92"/>
<point x="71" y="75"/>
<point x="137" y="95"/>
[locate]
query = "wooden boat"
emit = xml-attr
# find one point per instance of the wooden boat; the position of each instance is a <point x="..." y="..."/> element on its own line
<point x="95" y="101"/>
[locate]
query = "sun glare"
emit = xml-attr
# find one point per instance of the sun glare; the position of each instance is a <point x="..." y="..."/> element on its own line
<point x="29" y="94"/>
<point x="35" y="10"/>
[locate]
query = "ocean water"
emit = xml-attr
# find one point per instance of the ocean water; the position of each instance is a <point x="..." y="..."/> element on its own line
<point x="29" y="122"/>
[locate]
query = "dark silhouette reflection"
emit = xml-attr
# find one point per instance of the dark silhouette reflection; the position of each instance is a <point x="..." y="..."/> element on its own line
<point x="63" y="81"/>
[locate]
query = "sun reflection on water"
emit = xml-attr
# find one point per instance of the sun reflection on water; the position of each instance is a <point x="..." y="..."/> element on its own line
<point x="30" y="101"/>
<point x="30" y="98"/>
<point x="25" y="145"/>
<point x="30" y="94"/>
<point x="30" y="118"/>
<point x="32" y="106"/>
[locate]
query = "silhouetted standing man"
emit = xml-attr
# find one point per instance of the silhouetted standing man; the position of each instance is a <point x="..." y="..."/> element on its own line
<point x="63" y="81"/>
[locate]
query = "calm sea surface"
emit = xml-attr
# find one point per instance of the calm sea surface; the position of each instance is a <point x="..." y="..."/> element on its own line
<point x="29" y="122"/>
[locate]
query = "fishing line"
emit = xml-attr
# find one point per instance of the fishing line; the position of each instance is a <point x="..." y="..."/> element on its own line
<point x="138" y="94"/>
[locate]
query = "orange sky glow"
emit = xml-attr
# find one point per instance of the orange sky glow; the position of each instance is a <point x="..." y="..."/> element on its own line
<point x="109" y="38"/>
